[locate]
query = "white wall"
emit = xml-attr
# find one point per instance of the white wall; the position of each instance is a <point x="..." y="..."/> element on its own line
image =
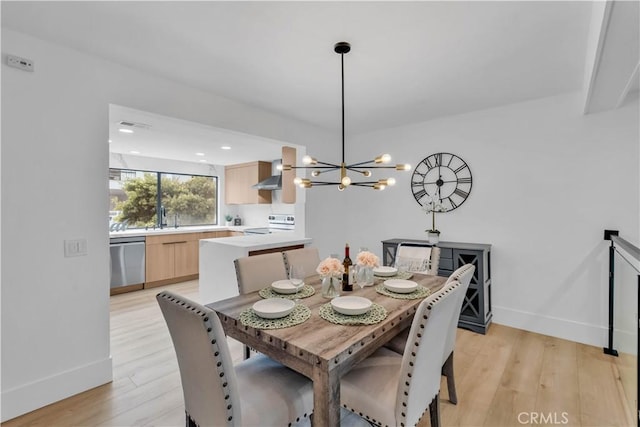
<point x="546" y="182"/>
<point x="55" y="310"/>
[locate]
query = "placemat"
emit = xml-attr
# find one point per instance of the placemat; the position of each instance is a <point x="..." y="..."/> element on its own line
<point x="300" y="314"/>
<point x="376" y="314"/>
<point x="405" y="275"/>
<point x="305" y="291"/>
<point x="420" y="292"/>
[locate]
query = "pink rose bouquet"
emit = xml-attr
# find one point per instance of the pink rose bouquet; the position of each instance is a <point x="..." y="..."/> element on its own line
<point x="367" y="259"/>
<point x="330" y="267"/>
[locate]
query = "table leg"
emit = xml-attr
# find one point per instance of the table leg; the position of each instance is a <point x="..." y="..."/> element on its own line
<point x="326" y="397"/>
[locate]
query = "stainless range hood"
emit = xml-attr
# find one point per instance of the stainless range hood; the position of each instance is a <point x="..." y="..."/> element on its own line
<point x="274" y="182"/>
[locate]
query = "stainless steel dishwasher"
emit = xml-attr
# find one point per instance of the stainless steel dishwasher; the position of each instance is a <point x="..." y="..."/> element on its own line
<point x="127" y="261"/>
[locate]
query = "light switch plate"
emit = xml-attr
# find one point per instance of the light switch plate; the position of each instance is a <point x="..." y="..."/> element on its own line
<point x="75" y="247"/>
<point x="21" y="63"/>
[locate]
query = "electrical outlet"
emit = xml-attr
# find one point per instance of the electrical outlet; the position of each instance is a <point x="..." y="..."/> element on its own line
<point x="21" y="63"/>
<point x="75" y="247"/>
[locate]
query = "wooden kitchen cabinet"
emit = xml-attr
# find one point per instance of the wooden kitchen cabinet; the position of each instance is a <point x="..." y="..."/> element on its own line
<point x="288" y="187"/>
<point x="186" y="258"/>
<point x="238" y="180"/>
<point x="171" y="258"/>
<point x="159" y="262"/>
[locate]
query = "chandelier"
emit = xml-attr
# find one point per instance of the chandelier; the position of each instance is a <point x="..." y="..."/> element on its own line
<point x="362" y="168"/>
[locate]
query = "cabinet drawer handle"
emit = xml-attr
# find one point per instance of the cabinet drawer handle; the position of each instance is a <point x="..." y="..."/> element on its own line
<point x="173" y="243"/>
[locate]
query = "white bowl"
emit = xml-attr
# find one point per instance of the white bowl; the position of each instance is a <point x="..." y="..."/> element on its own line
<point x="400" y="286"/>
<point x="385" y="271"/>
<point x="273" y="308"/>
<point x="351" y="305"/>
<point x="283" y="287"/>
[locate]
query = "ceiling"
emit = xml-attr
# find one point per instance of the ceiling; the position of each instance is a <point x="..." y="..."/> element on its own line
<point x="410" y="61"/>
<point x="170" y="138"/>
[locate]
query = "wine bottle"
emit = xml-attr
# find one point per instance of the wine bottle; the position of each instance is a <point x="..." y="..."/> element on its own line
<point x="346" y="284"/>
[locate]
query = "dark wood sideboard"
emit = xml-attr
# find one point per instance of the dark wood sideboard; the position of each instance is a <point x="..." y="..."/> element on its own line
<point x="476" y="308"/>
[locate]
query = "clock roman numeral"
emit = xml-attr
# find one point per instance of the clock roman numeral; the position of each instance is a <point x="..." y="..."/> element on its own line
<point x="427" y="162"/>
<point x="416" y="183"/>
<point x="453" y="204"/>
<point x="462" y="167"/>
<point x="420" y="194"/>
<point x="438" y="159"/>
<point x="464" y="180"/>
<point x="461" y="193"/>
<point x="450" y="160"/>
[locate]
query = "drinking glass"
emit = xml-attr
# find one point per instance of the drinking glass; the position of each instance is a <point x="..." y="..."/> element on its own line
<point x="357" y="276"/>
<point x="296" y="277"/>
<point x="402" y="266"/>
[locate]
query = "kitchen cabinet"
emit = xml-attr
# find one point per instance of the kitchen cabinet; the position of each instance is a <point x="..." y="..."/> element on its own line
<point x="476" y="311"/>
<point x="288" y="187"/>
<point x="238" y="180"/>
<point x="173" y="258"/>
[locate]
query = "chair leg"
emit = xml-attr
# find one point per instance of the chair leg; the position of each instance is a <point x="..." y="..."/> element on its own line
<point x="434" y="411"/>
<point x="447" y="371"/>
<point x="247" y="352"/>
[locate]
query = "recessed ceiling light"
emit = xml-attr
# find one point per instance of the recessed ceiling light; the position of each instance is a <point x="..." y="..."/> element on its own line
<point x="125" y="130"/>
<point x="134" y="152"/>
<point x="226" y="147"/>
<point x="109" y="141"/>
<point x="199" y="154"/>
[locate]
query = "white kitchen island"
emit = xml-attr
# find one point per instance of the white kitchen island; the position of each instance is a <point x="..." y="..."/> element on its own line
<point x="217" y="272"/>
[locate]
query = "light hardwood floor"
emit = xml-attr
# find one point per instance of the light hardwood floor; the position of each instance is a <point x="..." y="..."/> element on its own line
<point x="508" y="377"/>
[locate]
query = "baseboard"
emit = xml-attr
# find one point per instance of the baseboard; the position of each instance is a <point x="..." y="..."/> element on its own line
<point x="29" y="397"/>
<point x="561" y="328"/>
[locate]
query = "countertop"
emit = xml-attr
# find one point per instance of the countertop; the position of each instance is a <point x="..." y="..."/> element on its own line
<point x="217" y="272"/>
<point x="260" y="241"/>
<point x="179" y="230"/>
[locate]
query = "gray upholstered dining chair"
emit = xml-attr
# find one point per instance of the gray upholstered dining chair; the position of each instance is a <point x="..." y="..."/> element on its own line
<point x="418" y="258"/>
<point x="390" y="389"/>
<point x="464" y="274"/>
<point x="308" y="258"/>
<point x="257" y="392"/>
<point x="256" y="272"/>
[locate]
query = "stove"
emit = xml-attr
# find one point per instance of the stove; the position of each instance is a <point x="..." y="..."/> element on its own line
<point x="277" y="223"/>
<point x="282" y="222"/>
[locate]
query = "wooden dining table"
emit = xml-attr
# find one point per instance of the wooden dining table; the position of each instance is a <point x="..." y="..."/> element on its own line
<point x="321" y="350"/>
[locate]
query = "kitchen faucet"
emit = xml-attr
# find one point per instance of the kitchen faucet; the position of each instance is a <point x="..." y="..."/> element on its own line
<point x="163" y="217"/>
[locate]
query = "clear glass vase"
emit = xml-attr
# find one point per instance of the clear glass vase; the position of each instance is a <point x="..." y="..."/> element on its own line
<point x="330" y="287"/>
<point x="365" y="275"/>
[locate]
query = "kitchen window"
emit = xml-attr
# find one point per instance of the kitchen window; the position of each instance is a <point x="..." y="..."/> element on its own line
<point x="140" y="199"/>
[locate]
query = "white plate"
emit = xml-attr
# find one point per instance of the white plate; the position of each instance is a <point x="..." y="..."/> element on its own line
<point x="400" y="286"/>
<point x="385" y="271"/>
<point x="283" y="287"/>
<point x="351" y="305"/>
<point x="273" y="308"/>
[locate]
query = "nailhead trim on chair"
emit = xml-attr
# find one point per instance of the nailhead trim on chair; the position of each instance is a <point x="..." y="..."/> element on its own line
<point x="416" y="344"/>
<point x="238" y="280"/>
<point x="216" y="351"/>
<point x="405" y="391"/>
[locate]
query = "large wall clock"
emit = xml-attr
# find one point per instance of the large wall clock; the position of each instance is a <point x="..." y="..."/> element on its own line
<point x="443" y="175"/>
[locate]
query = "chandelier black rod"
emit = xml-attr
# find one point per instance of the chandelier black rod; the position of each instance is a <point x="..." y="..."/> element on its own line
<point x="329" y="166"/>
<point x="342" y="73"/>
